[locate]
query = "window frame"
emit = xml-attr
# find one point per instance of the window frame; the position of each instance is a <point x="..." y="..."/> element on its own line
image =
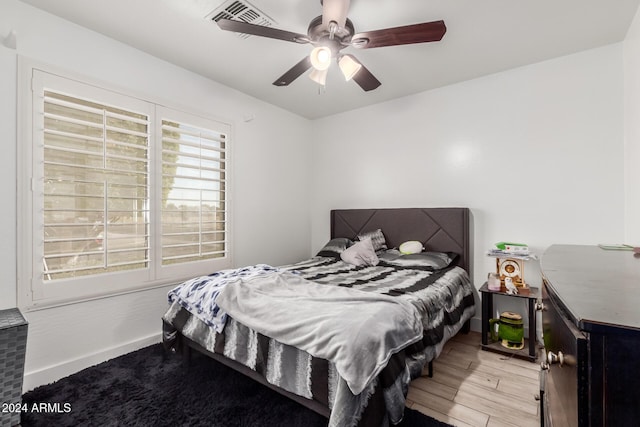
<point x="181" y="269"/>
<point x="33" y="291"/>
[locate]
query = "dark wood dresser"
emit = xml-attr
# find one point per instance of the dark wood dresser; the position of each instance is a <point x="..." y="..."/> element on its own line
<point x="591" y="333"/>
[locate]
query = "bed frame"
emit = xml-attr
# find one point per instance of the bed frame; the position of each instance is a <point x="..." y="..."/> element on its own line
<point x="439" y="229"/>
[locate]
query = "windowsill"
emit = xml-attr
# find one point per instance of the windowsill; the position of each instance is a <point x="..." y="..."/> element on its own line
<point x="45" y="305"/>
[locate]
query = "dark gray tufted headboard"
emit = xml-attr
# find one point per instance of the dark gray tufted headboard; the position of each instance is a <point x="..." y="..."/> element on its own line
<point x="439" y="229"/>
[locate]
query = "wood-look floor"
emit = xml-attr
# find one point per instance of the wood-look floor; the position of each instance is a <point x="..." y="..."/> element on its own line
<point x="472" y="387"/>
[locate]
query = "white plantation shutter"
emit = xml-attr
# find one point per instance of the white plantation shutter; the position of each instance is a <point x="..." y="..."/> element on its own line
<point x="96" y="179"/>
<point x="194" y="208"/>
<point x="116" y="193"/>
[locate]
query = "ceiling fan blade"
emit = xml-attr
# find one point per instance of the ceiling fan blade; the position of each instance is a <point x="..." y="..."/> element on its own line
<point x="365" y="79"/>
<point x="294" y="72"/>
<point x="335" y="10"/>
<point x="262" y="31"/>
<point x="408" y="34"/>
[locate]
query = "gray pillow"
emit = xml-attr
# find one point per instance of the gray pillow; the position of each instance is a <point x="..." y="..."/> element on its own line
<point x="335" y="247"/>
<point x="430" y="260"/>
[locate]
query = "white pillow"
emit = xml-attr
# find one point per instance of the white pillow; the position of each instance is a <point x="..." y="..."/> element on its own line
<point x="361" y="253"/>
<point x="410" y="247"/>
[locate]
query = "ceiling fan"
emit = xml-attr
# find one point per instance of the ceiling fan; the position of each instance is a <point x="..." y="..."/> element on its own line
<point x="329" y="34"/>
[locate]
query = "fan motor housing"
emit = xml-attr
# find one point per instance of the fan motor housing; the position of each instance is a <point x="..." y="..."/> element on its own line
<point x="319" y="34"/>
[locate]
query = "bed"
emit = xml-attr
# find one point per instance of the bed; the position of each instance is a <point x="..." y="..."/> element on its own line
<point x="308" y="322"/>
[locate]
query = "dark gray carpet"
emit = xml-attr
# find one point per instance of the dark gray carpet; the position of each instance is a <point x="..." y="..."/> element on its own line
<point x="144" y="389"/>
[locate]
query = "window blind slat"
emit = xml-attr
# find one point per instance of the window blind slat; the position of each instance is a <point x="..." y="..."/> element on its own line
<point x="167" y="131"/>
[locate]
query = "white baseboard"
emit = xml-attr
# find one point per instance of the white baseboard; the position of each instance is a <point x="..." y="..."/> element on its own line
<point x="55" y="372"/>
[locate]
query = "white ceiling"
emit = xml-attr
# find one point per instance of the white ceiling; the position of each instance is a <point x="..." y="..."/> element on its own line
<point x="483" y="37"/>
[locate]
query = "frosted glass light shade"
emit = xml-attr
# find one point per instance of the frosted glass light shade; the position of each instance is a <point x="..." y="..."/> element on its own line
<point x="320" y="58"/>
<point x="349" y="66"/>
<point x="319" y="76"/>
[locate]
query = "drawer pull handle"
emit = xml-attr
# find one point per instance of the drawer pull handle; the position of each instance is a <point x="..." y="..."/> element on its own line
<point x="539" y="306"/>
<point x="553" y="358"/>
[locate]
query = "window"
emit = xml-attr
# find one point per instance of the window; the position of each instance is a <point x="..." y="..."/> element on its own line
<point x="193" y="193"/>
<point x="125" y="194"/>
<point x="193" y="200"/>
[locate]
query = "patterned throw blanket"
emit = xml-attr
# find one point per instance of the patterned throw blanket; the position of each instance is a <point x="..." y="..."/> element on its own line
<point x="199" y="295"/>
<point x="357" y="331"/>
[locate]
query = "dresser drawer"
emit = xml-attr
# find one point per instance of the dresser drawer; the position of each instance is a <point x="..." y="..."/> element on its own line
<point x="567" y="373"/>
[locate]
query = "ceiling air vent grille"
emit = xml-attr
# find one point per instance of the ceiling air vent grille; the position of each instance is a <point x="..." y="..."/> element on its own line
<point x="241" y="11"/>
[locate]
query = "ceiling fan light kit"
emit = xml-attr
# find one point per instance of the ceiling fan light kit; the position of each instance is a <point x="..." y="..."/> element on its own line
<point x="321" y="58"/>
<point x="319" y="76"/>
<point x="349" y="66"/>
<point x="329" y="34"/>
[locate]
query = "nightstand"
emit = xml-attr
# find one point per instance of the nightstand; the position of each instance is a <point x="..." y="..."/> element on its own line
<point x="530" y="294"/>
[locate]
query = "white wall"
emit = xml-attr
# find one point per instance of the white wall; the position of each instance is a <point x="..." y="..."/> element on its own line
<point x="8" y="65"/>
<point x="632" y="132"/>
<point x="535" y="152"/>
<point x="271" y="179"/>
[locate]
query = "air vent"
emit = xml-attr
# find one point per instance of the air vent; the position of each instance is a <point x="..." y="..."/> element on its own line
<point x="241" y="11"/>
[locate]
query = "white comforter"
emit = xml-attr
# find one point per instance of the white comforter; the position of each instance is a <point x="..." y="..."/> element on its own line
<point x="358" y="331"/>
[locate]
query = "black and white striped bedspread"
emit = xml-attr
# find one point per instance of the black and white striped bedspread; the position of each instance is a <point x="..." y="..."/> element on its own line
<point x="446" y="294"/>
